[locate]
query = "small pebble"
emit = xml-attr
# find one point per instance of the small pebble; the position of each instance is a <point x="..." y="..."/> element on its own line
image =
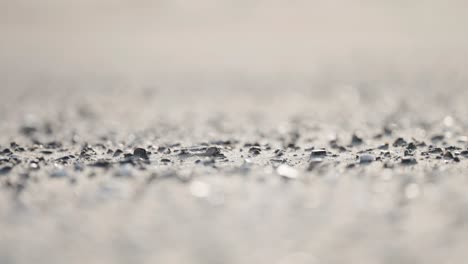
<point x="141" y="153"/>
<point x="366" y="158"/>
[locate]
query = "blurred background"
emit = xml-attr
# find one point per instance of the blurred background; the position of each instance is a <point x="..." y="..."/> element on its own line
<point x="144" y="41"/>
<point x="161" y="58"/>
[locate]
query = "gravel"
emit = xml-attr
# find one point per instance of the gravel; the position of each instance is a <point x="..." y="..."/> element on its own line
<point x="190" y="180"/>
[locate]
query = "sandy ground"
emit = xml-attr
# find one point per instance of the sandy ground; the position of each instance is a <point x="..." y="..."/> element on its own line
<point x="206" y="176"/>
<point x="233" y="132"/>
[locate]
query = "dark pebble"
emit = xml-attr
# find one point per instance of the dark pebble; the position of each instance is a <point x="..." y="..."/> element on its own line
<point x="356" y="140"/>
<point x="435" y="150"/>
<point x="383" y="147"/>
<point x="212" y="152"/>
<point x="400" y="142"/>
<point x="255" y="151"/>
<point x="117" y="153"/>
<point x="437" y="138"/>
<point x="408" y="161"/>
<point x="141" y="153"/>
<point x="5" y="170"/>
<point x="411" y="146"/>
<point x="102" y="164"/>
<point x="448" y="155"/>
<point x="6" y="152"/>
<point x="366" y="158"/>
<point x="318" y="153"/>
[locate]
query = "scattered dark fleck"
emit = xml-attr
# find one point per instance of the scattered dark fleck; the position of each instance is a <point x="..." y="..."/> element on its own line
<point x="408" y="161"/>
<point x="435" y="150"/>
<point x="28" y="130"/>
<point x="366" y="158"/>
<point x="279" y="152"/>
<point x="383" y="147"/>
<point x="255" y="151"/>
<point x="400" y="142"/>
<point x="411" y="146"/>
<point x="117" y="153"/>
<point x="102" y="164"/>
<point x="6" y="152"/>
<point x="5" y="170"/>
<point x="448" y="155"/>
<point x="165" y="160"/>
<point x="141" y="153"/>
<point x="318" y="153"/>
<point x="356" y="140"/>
<point x="437" y="138"/>
<point x="53" y="145"/>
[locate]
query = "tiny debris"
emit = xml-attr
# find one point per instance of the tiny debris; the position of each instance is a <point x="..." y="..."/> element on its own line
<point x="255" y="151"/>
<point x="408" y="161"/>
<point x="356" y="140"/>
<point x="141" y="153"/>
<point x="437" y="138"/>
<point x="366" y="158"/>
<point x="117" y="153"/>
<point x="318" y="153"/>
<point x="102" y="164"/>
<point x="383" y="147"/>
<point x="400" y="142"/>
<point x="6" y="169"/>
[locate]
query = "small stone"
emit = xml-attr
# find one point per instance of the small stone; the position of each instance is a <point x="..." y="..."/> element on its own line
<point x="437" y="138"/>
<point x="212" y="152"/>
<point x="366" y="158"/>
<point x="318" y="153"/>
<point x="102" y="164"/>
<point x="408" y="161"/>
<point x="117" y="153"/>
<point x="400" y="142"/>
<point x="356" y="140"/>
<point x="411" y="146"/>
<point x="383" y="147"/>
<point x="255" y="151"/>
<point x="165" y="160"/>
<point x="448" y="155"/>
<point x="6" y="152"/>
<point x="5" y="170"/>
<point x="141" y="153"/>
<point x="435" y="150"/>
<point x="287" y="172"/>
